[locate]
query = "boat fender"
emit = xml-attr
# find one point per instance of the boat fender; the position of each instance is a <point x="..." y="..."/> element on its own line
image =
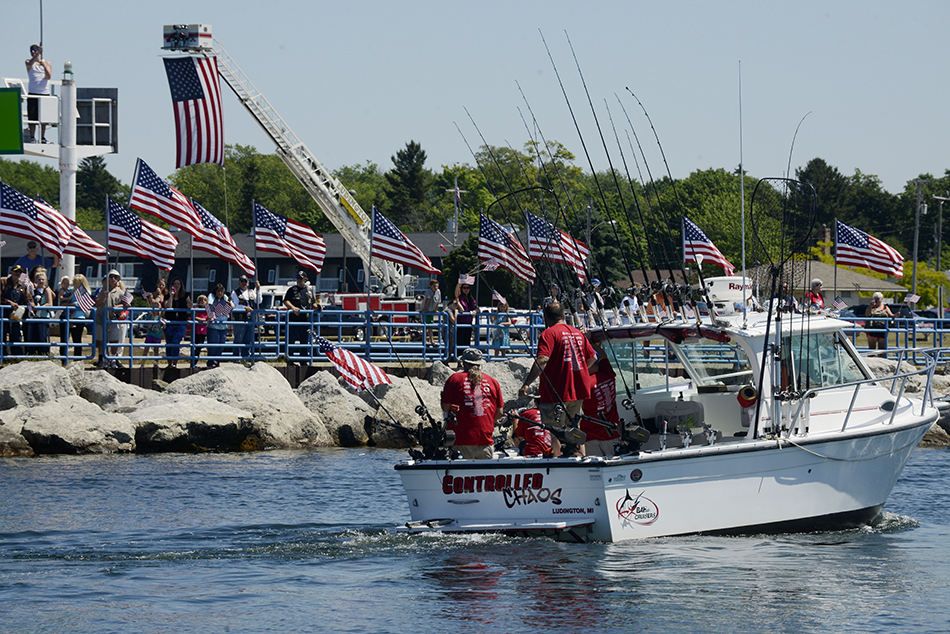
<point x="747" y="396"/>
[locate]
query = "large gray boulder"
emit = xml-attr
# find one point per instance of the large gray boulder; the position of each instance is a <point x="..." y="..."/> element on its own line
<point x="111" y="394"/>
<point x="73" y="425"/>
<point x="438" y="374"/>
<point x="885" y="368"/>
<point x="510" y="375"/>
<point x="185" y="422"/>
<point x="12" y="442"/>
<point x="31" y="383"/>
<point x="280" y="419"/>
<point x="936" y="436"/>
<point x="342" y="411"/>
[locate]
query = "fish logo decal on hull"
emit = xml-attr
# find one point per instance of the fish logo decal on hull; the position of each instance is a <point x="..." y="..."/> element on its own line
<point x="637" y="510"/>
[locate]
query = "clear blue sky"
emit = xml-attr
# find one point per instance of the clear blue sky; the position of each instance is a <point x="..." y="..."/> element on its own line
<point x="357" y="80"/>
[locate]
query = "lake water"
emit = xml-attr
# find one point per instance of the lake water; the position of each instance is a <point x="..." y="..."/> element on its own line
<point x="304" y="541"/>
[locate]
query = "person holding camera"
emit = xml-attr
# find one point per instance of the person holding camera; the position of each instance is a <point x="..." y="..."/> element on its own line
<point x="40" y="71"/>
<point x="245" y="300"/>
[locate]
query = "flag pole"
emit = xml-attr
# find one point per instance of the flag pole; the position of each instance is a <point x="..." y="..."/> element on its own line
<point x="836" y="259"/>
<point x="369" y="272"/>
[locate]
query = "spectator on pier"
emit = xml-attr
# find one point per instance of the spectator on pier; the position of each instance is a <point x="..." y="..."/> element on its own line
<point x="815" y="298"/>
<point x="178" y="305"/>
<point x="299" y="301"/>
<point x="109" y="309"/>
<point x="18" y="303"/>
<point x="245" y="300"/>
<point x="430" y="304"/>
<point x="877" y="314"/>
<point x="37" y="329"/>
<point x="468" y="308"/>
<point x="77" y="315"/>
<point x="217" y="326"/>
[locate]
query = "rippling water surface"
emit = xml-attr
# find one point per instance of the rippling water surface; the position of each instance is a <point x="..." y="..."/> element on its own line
<point x="303" y="541"/>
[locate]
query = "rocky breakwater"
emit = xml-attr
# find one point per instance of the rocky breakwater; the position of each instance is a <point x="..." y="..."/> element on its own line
<point x="45" y="408"/>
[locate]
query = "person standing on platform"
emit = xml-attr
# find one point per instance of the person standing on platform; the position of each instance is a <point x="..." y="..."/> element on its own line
<point x="564" y="359"/>
<point x="476" y="400"/>
<point x="430" y="304"/>
<point x="468" y="308"/>
<point x="39" y="71"/>
<point x="178" y="315"/>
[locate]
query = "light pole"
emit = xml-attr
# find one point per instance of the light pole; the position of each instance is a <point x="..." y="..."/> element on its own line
<point x="590" y="231"/>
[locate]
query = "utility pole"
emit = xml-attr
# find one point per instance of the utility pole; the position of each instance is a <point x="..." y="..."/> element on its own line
<point x="940" y="229"/>
<point x="921" y="209"/>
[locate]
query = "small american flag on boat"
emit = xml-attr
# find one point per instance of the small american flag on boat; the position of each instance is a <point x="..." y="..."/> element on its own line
<point x="839" y="303"/>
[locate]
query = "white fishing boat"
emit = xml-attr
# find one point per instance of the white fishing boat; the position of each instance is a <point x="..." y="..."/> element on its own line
<point x="755" y="427"/>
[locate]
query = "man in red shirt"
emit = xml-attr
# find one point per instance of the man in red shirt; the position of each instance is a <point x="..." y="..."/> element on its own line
<point x="601" y="404"/>
<point x="564" y="359"/>
<point x="476" y="400"/>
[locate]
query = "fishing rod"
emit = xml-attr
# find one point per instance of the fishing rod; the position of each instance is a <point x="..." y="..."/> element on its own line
<point x="504" y="179"/>
<point x="600" y="190"/>
<point x="676" y="294"/>
<point x="679" y="203"/>
<point x="610" y="164"/>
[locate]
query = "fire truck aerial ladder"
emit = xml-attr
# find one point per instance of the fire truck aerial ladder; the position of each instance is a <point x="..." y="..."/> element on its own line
<point x="335" y="200"/>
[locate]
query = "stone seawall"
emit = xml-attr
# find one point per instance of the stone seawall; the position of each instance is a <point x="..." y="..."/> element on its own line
<point x="48" y="409"/>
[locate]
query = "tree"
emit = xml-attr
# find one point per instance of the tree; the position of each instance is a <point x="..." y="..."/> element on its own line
<point x="95" y="182"/>
<point x="409" y="183"/>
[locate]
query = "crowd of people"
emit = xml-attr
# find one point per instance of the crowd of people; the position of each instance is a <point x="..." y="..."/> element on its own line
<point x="575" y="377"/>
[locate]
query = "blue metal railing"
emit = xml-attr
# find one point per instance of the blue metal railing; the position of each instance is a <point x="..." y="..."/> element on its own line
<point x="382" y="336"/>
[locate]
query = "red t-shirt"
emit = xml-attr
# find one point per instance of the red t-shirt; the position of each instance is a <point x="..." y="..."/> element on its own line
<point x="537" y="440"/>
<point x="602" y="403"/>
<point x="475" y="418"/>
<point x="568" y="351"/>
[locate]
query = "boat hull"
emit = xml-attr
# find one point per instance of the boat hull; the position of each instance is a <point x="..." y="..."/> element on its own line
<point x="820" y="482"/>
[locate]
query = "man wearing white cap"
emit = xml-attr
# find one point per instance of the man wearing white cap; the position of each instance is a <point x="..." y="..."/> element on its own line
<point x="476" y="400"/>
<point x="110" y="297"/>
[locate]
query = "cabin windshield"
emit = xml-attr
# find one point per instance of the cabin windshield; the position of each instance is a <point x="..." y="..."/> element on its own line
<point x="711" y="362"/>
<point x="643" y="364"/>
<point x="818" y="360"/>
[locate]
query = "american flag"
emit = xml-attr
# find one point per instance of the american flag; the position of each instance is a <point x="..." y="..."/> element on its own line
<point x="21" y="216"/>
<point x="85" y="247"/>
<point x="856" y="248"/>
<point x="216" y="239"/>
<point x="79" y="243"/>
<point x="696" y="243"/>
<point x="153" y="196"/>
<point x="389" y="243"/>
<point x="545" y="241"/>
<point x="196" y="97"/>
<point x="360" y="374"/>
<point x="839" y="303"/>
<point x="911" y="299"/>
<point x="220" y="309"/>
<point x="491" y="264"/>
<point x="127" y="298"/>
<point x="277" y="234"/>
<point x="465" y="278"/>
<point x="498" y="297"/>
<point x="130" y="234"/>
<point x="495" y="242"/>
<point x="83" y="299"/>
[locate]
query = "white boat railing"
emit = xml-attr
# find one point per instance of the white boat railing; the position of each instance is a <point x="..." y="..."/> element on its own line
<point x="930" y="354"/>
